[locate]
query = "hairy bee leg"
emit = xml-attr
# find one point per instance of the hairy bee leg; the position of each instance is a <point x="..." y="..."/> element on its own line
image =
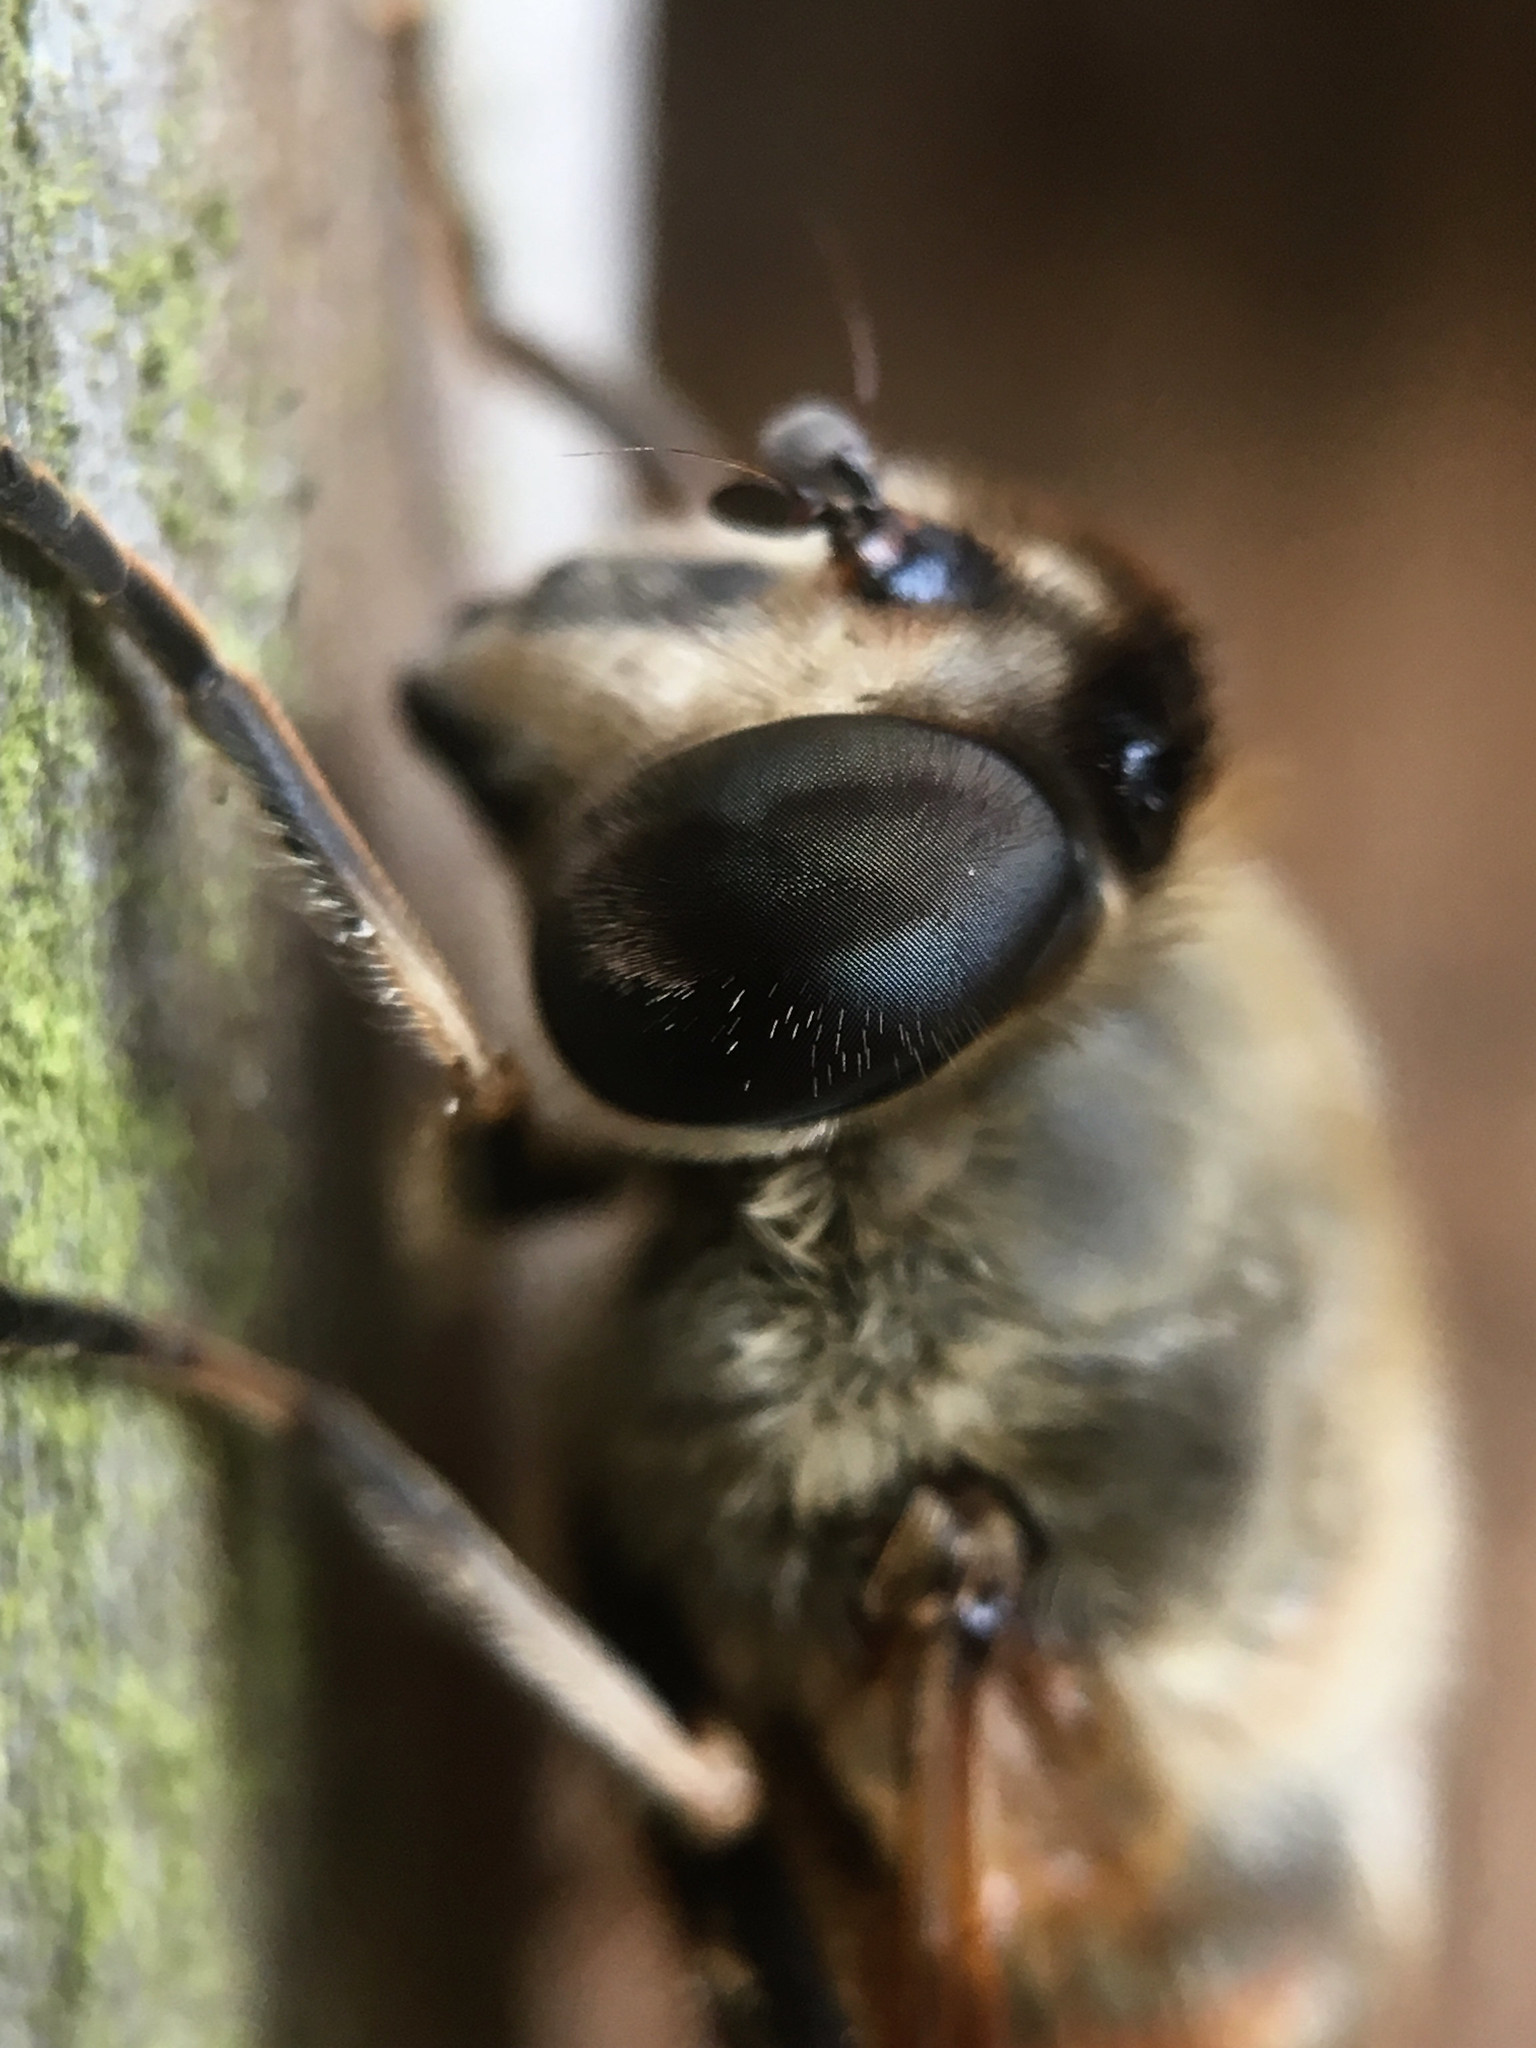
<point x="648" y="423"/>
<point x="354" y="900"/>
<point x="416" y="1522"/>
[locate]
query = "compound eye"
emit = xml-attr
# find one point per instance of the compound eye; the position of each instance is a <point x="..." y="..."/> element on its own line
<point x="802" y="917"/>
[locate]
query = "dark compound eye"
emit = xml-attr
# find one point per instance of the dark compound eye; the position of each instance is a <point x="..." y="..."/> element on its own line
<point x="1140" y="729"/>
<point x="802" y="917"/>
<point x="1145" y="774"/>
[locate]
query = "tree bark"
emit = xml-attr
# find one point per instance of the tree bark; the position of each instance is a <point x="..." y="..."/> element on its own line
<point x="147" y="1642"/>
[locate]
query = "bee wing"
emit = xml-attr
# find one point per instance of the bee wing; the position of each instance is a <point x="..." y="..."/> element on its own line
<point x="1035" y="1854"/>
<point x="949" y="1984"/>
<point x="985" y="1843"/>
<point x="1039" y="1856"/>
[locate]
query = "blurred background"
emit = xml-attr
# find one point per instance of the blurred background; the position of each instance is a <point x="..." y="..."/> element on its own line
<point x="1253" y="287"/>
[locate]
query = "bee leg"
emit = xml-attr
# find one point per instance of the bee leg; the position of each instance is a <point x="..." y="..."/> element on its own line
<point x="768" y="1981"/>
<point x="351" y="897"/>
<point x="426" y="1532"/>
<point x="746" y="1892"/>
<point x="657" y="430"/>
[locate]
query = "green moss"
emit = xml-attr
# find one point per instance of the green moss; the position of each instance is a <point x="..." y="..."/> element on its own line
<point x="130" y="1009"/>
<point x="172" y="285"/>
<point x="115" y="1786"/>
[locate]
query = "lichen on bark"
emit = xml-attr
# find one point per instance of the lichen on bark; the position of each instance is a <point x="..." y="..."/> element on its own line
<point x="139" y="1153"/>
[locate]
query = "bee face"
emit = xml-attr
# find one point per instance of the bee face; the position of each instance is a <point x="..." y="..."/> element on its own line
<point x="802" y="830"/>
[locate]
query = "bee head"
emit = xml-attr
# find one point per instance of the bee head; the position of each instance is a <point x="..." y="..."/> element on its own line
<point x="805" y="820"/>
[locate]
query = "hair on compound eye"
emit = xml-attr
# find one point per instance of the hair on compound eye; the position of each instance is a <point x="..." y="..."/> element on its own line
<point x="802" y="917"/>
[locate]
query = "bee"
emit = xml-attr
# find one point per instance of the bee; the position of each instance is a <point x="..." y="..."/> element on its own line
<point x="1015" y="1487"/>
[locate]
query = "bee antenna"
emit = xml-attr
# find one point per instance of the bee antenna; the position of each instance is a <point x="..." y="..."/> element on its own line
<point x="763" y="503"/>
<point x="818" y="470"/>
<point x="692" y="454"/>
<point x="640" y="412"/>
<point x="853" y="311"/>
